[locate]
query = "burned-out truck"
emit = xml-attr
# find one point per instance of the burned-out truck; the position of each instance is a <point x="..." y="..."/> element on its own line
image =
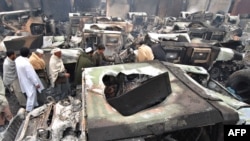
<point x="219" y="61"/>
<point x="138" y="101"/>
<point x="115" y="38"/>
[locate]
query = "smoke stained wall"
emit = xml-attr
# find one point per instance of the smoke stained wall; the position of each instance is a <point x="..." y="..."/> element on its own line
<point x="86" y="5"/>
<point x="241" y="7"/>
<point x="148" y="6"/>
<point x="58" y="9"/>
<point x="118" y="8"/>
<point x="197" y="5"/>
<point x="219" y="5"/>
<point x="171" y="7"/>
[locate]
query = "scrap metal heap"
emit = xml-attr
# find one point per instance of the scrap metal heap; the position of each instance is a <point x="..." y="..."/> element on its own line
<point x="53" y="121"/>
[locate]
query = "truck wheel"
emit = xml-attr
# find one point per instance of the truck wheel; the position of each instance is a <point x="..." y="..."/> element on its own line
<point x="240" y="82"/>
<point x="215" y="72"/>
<point x="204" y="136"/>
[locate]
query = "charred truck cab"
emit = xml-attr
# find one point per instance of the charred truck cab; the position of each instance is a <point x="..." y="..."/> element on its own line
<point x="77" y="20"/>
<point x="221" y="62"/>
<point x="138" y="18"/>
<point x="107" y="34"/>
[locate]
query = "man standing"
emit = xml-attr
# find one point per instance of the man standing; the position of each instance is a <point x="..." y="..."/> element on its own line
<point x="10" y="78"/>
<point x="36" y="60"/>
<point x="59" y="78"/>
<point x="28" y="79"/>
<point x="85" y="60"/>
<point x="98" y="56"/>
<point x="5" y="112"/>
<point x="159" y="53"/>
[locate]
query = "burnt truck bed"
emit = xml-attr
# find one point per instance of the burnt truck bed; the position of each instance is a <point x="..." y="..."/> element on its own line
<point x="189" y="105"/>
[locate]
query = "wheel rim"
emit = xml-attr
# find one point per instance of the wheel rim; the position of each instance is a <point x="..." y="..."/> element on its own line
<point x="243" y="90"/>
<point x="215" y="72"/>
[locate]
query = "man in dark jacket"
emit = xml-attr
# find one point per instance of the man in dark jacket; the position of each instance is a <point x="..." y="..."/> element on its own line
<point x="159" y="53"/>
<point x="85" y="60"/>
<point x="99" y="57"/>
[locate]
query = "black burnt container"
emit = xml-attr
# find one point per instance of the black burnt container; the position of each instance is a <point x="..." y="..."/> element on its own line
<point x="151" y="92"/>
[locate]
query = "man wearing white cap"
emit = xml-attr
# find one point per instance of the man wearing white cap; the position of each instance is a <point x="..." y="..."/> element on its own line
<point x="38" y="63"/>
<point x="58" y="75"/>
<point x="36" y="60"/>
<point x="85" y="60"/>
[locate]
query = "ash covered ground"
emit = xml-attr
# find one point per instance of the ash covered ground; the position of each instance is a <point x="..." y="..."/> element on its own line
<point x="13" y="103"/>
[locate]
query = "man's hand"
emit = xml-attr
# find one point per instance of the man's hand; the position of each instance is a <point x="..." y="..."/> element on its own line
<point x="37" y="86"/>
<point x="67" y="75"/>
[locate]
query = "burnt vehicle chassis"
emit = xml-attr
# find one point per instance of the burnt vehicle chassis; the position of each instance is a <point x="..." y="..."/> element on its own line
<point x="190" y="112"/>
<point x="153" y="123"/>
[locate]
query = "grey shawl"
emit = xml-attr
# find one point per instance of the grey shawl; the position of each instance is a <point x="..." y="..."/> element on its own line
<point x="9" y="71"/>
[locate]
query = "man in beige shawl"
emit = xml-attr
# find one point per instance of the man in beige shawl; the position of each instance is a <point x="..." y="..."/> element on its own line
<point x="59" y="78"/>
<point x="144" y="52"/>
<point x="36" y="60"/>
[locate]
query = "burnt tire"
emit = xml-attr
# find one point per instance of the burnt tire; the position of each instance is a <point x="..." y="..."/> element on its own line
<point x="215" y="72"/>
<point x="240" y="82"/>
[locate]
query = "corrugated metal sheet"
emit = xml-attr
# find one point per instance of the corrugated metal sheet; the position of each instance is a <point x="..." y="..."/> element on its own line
<point x="241" y="7"/>
<point x="219" y="5"/>
<point x="117" y="8"/>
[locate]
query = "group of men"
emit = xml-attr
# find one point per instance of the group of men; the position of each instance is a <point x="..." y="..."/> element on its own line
<point x="91" y="58"/>
<point x="26" y="77"/>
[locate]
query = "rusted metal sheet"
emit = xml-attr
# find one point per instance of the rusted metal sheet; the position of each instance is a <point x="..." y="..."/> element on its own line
<point x="32" y="42"/>
<point x="219" y="5"/>
<point x="171" y="7"/>
<point x="241" y="7"/>
<point x="117" y="8"/>
<point x="179" y="110"/>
